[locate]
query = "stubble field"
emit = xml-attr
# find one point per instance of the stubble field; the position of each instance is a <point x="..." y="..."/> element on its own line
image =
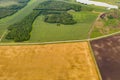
<point x="67" y="61"/>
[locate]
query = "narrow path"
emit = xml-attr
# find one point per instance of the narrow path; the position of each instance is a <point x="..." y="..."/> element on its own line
<point x="92" y="27"/>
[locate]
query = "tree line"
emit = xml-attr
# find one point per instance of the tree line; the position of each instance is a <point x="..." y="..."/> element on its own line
<point x="21" y="31"/>
<point x="63" y="18"/>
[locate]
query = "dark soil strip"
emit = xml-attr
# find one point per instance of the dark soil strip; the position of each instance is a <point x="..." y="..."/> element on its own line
<point x="107" y="54"/>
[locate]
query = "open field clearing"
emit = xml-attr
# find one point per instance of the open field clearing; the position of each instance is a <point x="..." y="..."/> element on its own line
<point x="46" y="32"/>
<point x="68" y="61"/>
<point x="107" y="53"/>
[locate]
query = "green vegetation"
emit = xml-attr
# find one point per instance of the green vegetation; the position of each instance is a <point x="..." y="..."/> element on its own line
<point x="21" y="30"/>
<point x="47" y="32"/>
<point x="17" y="17"/>
<point x="57" y="21"/>
<point x="8" y="7"/>
<point x="56" y="12"/>
<point x="58" y="6"/>
<point x="109" y="1"/>
<point x="63" y="18"/>
<point x="66" y="21"/>
<point x="108" y="24"/>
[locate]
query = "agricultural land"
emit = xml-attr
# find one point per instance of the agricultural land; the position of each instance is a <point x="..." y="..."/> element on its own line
<point x="59" y="40"/>
<point x="68" y="61"/>
<point x="106" y="51"/>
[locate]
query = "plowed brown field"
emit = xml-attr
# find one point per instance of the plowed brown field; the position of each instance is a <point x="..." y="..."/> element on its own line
<point x="107" y="53"/>
<point x="68" y="61"/>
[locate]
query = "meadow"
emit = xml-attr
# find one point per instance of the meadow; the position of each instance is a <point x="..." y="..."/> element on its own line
<point x="47" y="62"/>
<point x="46" y="32"/>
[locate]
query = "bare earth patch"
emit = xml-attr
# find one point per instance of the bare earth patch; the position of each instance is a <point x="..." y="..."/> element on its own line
<point x="107" y="53"/>
<point x="68" y="61"/>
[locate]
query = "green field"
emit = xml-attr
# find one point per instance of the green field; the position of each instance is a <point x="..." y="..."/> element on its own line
<point x="46" y="32"/>
<point x="109" y="1"/>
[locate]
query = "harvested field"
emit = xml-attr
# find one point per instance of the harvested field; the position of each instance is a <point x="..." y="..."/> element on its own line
<point x="67" y="61"/>
<point x="107" y="53"/>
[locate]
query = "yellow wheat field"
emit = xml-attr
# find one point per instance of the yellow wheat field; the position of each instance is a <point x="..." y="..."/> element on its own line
<point x="67" y="61"/>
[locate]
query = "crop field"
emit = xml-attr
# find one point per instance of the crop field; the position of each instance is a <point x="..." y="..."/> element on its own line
<point x="107" y="53"/>
<point x="46" y="32"/>
<point x="67" y="61"/>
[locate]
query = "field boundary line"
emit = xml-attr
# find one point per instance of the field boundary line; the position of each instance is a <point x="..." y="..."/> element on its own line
<point x="104" y="36"/>
<point x="92" y="26"/>
<point x="90" y="61"/>
<point x="94" y="61"/>
<point x="52" y="42"/>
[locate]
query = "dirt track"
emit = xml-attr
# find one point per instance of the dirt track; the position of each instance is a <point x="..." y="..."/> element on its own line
<point x="107" y="53"/>
<point x="68" y="61"/>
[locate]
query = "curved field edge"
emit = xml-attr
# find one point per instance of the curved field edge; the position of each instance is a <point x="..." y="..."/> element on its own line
<point x="73" y="61"/>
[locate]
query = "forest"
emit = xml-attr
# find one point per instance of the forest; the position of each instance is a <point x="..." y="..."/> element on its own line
<point x="63" y="18"/>
<point x="21" y="30"/>
<point x="56" y="12"/>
